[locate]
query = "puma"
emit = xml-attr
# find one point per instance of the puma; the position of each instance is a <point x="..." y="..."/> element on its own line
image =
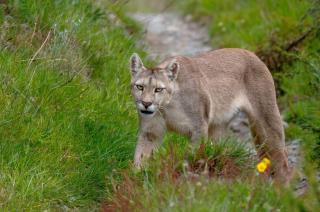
<point x="198" y="96"/>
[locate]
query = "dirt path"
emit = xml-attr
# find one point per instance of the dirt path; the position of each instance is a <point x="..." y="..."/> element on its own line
<point x="168" y="34"/>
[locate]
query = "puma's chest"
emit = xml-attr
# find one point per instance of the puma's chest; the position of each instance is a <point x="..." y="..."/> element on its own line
<point x="178" y="121"/>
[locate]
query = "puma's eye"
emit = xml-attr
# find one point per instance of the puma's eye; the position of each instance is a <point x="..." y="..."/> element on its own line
<point x="140" y="87"/>
<point x="157" y="90"/>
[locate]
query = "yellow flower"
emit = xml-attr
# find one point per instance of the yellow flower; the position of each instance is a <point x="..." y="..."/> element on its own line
<point x="267" y="161"/>
<point x="261" y="167"/>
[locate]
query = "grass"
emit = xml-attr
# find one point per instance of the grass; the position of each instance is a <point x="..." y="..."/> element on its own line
<point x="215" y="177"/>
<point x="68" y="125"/>
<point x="300" y="83"/>
<point x="249" y="24"/>
<point x="66" y="118"/>
<point x="213" y="195"/>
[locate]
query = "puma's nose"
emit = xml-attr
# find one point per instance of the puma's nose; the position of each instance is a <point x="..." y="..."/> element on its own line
<point x="146" y="104"/>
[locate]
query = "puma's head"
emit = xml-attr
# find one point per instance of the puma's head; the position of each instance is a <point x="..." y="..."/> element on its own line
<point x="152" y="88"/>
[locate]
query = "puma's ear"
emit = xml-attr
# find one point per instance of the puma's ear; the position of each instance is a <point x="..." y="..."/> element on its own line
<point x="173" y="69"/>
<point x="135" y="64"/>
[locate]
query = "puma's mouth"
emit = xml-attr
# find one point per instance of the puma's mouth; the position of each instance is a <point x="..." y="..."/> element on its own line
<point x="147" y="112"/>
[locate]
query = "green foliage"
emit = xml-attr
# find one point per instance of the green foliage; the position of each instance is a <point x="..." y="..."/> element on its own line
<point x="219" y="156"/>
<point x="249" y="24"/>
<point x="300" y="83"/>
<point x="216" y="195"/>
<point x="66" y="120"/>
<point x="164" y="185"/>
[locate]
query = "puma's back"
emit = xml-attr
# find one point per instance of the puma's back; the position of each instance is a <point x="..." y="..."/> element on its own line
<point x="223" y="81"/>
<point x="226" y="67"/>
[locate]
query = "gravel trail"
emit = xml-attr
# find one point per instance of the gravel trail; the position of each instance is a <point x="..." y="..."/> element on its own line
<point x="168" y="34"/>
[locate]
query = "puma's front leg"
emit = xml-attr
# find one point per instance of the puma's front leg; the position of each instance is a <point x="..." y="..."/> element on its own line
<point x="147" y="143"/>
<point x="150" y="137"/>
<point x="200" y="132"/>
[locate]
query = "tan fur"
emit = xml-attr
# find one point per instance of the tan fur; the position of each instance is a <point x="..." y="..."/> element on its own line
<point x="201" y="96"/>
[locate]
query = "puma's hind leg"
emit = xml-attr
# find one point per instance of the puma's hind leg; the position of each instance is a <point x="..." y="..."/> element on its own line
<point x="265" y="120"/>
<point x="268" y="136"/>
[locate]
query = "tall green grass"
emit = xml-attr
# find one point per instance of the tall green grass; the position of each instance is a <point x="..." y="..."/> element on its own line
<point x="300" y="83"/>
<point x="249" y="24"/>
<point x="66" y="118"/>
<point x="214" y="177"/>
